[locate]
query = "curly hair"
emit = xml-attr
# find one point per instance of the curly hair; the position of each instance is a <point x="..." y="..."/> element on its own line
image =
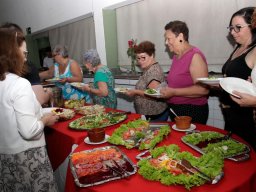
<point x="145" y="47"/>
<point x="11" y="59"/>
<point x="92" y="56"/>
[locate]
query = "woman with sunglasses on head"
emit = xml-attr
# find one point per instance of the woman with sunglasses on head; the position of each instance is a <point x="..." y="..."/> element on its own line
<point x="240" y="64"/>
<point x="152" y="76"/>
<point x="185" y="96"/>
<point x="24" y="163"/>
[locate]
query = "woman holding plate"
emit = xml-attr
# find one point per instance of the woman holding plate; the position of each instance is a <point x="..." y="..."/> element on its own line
<point x="153" y="108"/>
<point x="240" y="64"/>
<point x="65" y="71"/>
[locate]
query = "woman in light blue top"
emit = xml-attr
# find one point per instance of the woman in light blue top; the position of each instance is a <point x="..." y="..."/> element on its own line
<point x="68" y="71"/>
<point x="104" y="83"/>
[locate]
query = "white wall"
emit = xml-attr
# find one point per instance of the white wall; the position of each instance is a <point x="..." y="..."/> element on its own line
<point x="44" y="14"/>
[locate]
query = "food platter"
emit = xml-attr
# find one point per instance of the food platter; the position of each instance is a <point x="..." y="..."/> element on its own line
<point x="152" y="93"/>
<point x="77" y="84"/>
<point x="165" y="165"/>
<point x="100" y="165"/>
<point x="231" y="84"/>
<point x="139" y="133"/>
<point x="209" y="80"/>
<point x="208" y="141"/>
<point x="73" y="103"/>
<point x="64" y="114"/>
<point x="90" y="109"/>
<point x="98" y="120"/>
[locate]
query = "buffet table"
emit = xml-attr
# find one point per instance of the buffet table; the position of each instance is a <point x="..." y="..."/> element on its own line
<point x="60" y="138"/>
<point x="238" y="176"/>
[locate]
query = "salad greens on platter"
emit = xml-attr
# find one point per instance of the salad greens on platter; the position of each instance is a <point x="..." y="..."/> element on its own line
<point x="150" y="91"/>
<point x="138" y="133"/>
<point x="97" y="120"/>
<point x="210" y="141"/>
<point x="164" y="161"/>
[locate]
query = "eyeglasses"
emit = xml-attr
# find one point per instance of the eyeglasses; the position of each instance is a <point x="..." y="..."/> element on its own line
<point x="142" y="58"/>
<point x="25" y="53"/>
<point x="237" y="28"/>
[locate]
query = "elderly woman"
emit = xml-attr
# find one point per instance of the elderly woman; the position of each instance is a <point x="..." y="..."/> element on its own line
<point x="152" y="77"/>
<point x="68" y="70"/>
<point x="186" y="97"/>
<point x="103" y="86"/>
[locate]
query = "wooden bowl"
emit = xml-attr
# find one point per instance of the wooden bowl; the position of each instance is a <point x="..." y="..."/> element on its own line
<point x="183" y="122"/>
<point x="96" y="135"/>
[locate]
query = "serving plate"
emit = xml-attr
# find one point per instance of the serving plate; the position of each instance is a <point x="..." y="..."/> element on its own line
<point x="231" y="84"/>
<point x="100" y="165"/>
<point x="90" y="109"/>
<point x="139" y="133"/>
<point x="77" y="84"/>
<point x="98" y="120"/>
<point x="209" y="80"/>
<point x="64" y="114"/>
<point x="165" y="164"/>
<point x="87" y="141"/>
<point x="205" y="141"/>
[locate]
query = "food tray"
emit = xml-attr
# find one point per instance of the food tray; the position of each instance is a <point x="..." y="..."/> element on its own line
<point x="99" y="120"/>
<point x="105" y="174"/>
<point x="241" y="156"/>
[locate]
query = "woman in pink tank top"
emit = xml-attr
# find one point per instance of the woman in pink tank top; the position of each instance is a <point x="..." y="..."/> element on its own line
<point x="184" y="95"/>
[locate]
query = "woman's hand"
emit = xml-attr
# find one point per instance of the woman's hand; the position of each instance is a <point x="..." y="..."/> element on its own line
<point x="49" y="119"/>
<point x="86" y="88"/>
<point x="245" y="100"/>
<point x="130" y="92"/>
<point x="167" y="92"/>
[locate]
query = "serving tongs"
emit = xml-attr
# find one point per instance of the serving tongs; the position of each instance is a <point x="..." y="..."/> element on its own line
<point x="114" y="114"/>
<point x="192" y="169"/>
<point x="116" y="168"/>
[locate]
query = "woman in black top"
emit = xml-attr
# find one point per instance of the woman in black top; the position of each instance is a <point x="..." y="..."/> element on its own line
<point x="238" y="119"/>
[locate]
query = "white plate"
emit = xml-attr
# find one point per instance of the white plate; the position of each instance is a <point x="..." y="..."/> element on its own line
<point x="48" y="109"/>
<point x="86" y="140"/>
<point x="209" y="81"/>
<point x="231" y="84"/>
<point x="157" y="94"/>
<point x="53" y="80"/>
<point x="77" y="84"/>
<point x="192" y="127"/>
<point x="121" y="89"/>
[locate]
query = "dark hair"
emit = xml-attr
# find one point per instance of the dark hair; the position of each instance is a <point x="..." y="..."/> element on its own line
<point x="254" y="19"/>
<point x="11" y="59"/>
<point x="246" y="13"/>
<point x="12" y="26"/>
<point x="178" y="27"/>
<point x="145" y="47"/>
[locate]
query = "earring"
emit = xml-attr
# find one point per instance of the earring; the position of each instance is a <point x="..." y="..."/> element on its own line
<point x="181" y="41"/>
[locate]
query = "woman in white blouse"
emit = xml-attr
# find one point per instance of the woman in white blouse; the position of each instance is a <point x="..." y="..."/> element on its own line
<point x="24" y="163"/>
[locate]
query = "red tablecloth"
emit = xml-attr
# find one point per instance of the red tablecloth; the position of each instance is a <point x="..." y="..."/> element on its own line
<point x="60" y="138"/>
<point x="238" y="176"/>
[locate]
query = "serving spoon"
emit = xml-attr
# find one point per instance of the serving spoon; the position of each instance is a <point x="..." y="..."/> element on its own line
<point x="174" y="113"/>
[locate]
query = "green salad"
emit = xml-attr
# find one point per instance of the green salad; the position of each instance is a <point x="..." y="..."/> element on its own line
<point x="138" y="133"/>
<point x="160" y="167"/>
<point x="214" y="142"/>
<point x="150" y="91"/>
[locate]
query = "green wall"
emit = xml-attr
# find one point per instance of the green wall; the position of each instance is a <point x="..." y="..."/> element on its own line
<point x="109" y="19"/>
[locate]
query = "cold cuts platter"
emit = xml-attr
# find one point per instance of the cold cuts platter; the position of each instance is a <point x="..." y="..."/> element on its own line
<point x="100" y="165"/>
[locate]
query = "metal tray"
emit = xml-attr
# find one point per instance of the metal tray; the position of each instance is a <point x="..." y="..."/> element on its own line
<point x="242" y="156"/>
<point x="105" y="178"/>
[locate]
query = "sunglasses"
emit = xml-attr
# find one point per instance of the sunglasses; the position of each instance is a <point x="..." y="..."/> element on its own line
<point x="237" y="28"/>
